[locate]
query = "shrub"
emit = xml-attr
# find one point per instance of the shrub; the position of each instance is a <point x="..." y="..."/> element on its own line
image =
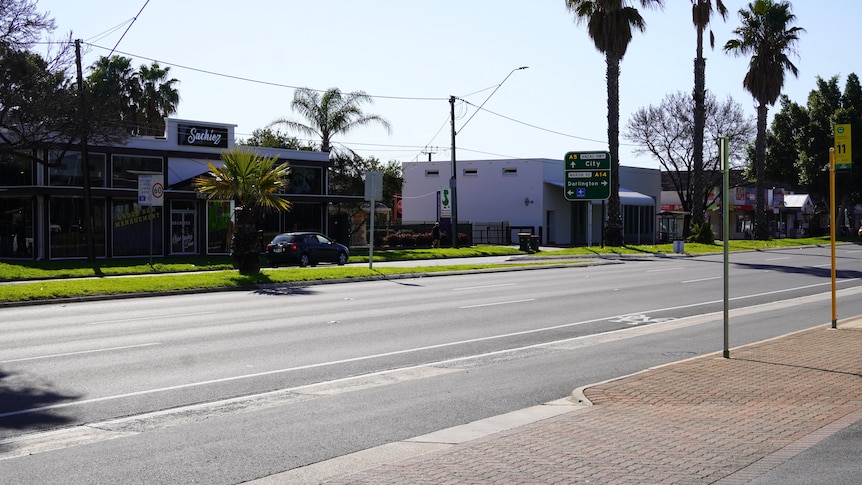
<point x="702" y="233"/>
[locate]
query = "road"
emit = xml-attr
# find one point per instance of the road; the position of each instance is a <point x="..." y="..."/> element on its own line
<point x="227" y="387"/>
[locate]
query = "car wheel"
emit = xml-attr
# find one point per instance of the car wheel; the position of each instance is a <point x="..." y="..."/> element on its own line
<point x="342" y="259"/>
<point x="303" y="260"/>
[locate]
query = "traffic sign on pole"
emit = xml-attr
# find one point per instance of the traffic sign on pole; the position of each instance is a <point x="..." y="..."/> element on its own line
<point x="587" y="175"/>
<point x="843" y="149"/>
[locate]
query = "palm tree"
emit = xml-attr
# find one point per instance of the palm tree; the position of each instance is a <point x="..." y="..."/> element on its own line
<point x="157" y="99"/>
<point x="329" y="114"/>
<point x="609" y="25"/>
<point x="701" y="14"/>
<point x="253" y="182"/>
<point x="766" y="34"/>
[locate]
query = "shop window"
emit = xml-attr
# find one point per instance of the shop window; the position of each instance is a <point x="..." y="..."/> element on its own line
<point x="65" y="169"/>
<point x="304" y="180"/>
<point x="133" y="227"/>
<point x="15" y="169"/>
<point x="125" y="169"/>
<point x="432" y="173"/>
<point x="67" y="238"/>
<point x="219" y="226"/>
<point x="16" y="228"/>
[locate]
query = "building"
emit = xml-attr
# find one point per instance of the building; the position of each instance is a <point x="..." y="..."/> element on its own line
<point x="42" y="204"/>
<point x="526" y="195"/>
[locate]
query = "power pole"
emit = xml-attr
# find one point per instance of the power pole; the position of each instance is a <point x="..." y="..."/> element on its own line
<point x="453" y="180"/>
<point x="83" y="127"/>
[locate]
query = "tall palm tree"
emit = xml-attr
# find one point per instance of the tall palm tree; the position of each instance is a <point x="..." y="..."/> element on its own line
<point x="253" y="182"/>
<point x="329" y="114"/>
<point x="157" y="99"/>
<point x="114" y="87"/>
<point x="766" y="34"/>
<point x="701" y="14"/>
<point x="609" y="25"/>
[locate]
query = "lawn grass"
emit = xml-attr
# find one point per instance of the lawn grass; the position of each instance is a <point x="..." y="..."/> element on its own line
<point x="76" y="278"/>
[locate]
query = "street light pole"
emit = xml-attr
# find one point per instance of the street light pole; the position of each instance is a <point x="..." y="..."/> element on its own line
<point x="453" y="181"/>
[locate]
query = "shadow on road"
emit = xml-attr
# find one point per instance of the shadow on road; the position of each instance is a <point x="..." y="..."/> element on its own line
<point x="24" y="406"/>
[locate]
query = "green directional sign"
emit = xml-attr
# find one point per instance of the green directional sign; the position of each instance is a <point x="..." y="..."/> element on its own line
<point x="587" y="176"/>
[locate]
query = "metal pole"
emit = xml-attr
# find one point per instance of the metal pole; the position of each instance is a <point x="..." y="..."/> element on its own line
<point x="832" y="220"/>
<point x="452" y="179"/>
<point x="725" y="229"/>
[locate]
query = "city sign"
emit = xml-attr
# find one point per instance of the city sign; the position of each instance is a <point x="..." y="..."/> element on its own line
<point x="587" y="176"/>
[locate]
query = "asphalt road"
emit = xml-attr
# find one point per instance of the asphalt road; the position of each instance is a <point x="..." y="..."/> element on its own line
<point x="228" y="387"/>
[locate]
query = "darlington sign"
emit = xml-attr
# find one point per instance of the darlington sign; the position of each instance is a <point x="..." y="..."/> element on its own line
<point x="205" y="136"/>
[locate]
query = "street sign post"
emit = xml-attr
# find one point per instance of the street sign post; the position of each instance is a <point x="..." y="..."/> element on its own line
<point x="587" y="176"/>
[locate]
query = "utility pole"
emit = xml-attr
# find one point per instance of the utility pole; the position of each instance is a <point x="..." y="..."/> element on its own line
<point x="83" y="120"/>
<point x="453" y="179"/>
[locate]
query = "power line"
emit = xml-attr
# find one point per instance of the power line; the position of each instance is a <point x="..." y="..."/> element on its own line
<point x="129" y="27"/>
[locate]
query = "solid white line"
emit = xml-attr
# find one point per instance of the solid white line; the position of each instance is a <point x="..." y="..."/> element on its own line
<point x="827" y="265"/>
<point x="498" y="303"/>
<point x="389" y="354"/>
<point x="82" y="352"/>
<point x="482" y="287"/>
<point x="662" y="270"/>
<point x="776" y="259"/>
<point x="702" y="279"/>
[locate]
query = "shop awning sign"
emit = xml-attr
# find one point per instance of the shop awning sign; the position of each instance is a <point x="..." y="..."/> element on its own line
<point x="151" y="190"/>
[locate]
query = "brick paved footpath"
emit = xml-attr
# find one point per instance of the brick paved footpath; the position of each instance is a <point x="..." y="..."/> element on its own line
<point x="703" y="420"/>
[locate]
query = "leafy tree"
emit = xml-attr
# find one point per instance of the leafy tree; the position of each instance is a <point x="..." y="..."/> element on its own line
<point x="701" y="14"/>
<point x="789" y="130"/>
<point x="666" y="131"/>
<point x="142" y="98"/>
<point x="267" y="138"/>
<point x="766" y="34"/>
<point x="253" y="182"/>
<point x="329" y="114"/>
<point x="609" y="25"/>
<point x="157" y="99"/>
<point x="21" y="25"/>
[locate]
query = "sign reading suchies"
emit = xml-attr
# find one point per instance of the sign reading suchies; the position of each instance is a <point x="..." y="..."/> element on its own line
<point x="205" y="136"/>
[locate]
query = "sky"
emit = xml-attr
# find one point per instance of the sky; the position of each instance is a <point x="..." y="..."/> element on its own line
<point x="240" y="62"/>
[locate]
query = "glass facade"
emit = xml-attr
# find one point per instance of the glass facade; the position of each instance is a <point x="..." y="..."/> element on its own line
<point x="67" y="238"/>
<point x="16" y="228"/>
<point x="135" y="230"/>
<point x="125" y="169"/>
<point x="68" y="172"/>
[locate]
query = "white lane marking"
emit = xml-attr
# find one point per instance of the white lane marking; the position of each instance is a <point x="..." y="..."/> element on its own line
<point x="82" y="352"/>
<point x="827" y="265"/>
<point x="663" y="269"/>
<point x="702" y="279"/>
<point x="498" y="303"/>
<point x="777" y="259"/>
<point x="482" y="287"/>
<point x="389" y="354"/>
<point x="150" y="317"/>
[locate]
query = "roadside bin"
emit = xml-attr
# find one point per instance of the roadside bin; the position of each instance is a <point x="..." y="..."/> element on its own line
<point x="534" y="244"/>
<point x="524" y="241"/>
<point x="679" y="246"/>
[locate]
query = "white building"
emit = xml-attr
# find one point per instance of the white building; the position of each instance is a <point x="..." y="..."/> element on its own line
<point x="527" y="194"/>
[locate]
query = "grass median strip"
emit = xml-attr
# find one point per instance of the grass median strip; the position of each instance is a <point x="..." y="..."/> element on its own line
<point x="84" y="287"/>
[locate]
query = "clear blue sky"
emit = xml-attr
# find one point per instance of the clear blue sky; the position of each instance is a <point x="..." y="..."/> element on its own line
<point x="400" y="50"/>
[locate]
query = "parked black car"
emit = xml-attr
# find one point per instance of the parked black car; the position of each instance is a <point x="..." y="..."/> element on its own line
<point x="305" y="248"/>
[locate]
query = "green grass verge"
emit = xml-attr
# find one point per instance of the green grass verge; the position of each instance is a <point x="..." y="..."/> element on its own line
<point x="78" y="287"/>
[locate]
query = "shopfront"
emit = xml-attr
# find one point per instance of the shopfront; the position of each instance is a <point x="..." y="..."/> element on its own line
<point x="43" y="204"/>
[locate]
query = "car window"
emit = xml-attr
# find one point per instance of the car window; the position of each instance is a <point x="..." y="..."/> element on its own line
<point x="323" y="239"/>
<point x="311" y="239"/>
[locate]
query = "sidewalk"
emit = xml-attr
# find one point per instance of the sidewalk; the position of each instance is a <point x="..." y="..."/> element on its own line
<point x="702" y="420"/>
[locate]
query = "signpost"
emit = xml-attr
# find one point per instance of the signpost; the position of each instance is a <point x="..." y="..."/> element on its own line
<point x="373" y="193"/>
<point x="151" y="193"/>
<point x="588" y="176"/>
<point x="843" y="150"/>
